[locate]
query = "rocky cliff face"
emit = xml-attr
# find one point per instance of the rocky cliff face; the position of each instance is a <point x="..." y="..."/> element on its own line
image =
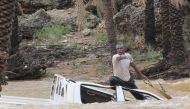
<point x="31" y="6"/>
<point x="130" y="21"/>
<point x="29" y="26"/>
<point x="130" y="11"/>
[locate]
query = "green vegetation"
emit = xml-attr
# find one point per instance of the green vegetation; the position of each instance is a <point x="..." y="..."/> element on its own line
<point x="51" y="33"/>
<point x="147" y="54"/>
<point x="140" y="50"/>
<point x="100" y="36"/>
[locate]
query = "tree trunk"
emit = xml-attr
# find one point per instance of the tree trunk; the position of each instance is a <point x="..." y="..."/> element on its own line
<point x="150" y="29"/>
<point x="178" y="53"/>
<point x="99" y="6"/>
<point x="14" y="42"/>
<point x="174" y="52"/>
<point x="115" y="7"/>
<point x="6" y="16"/>
<point x="172" y="39"/>
<point x="165" y="20"/>
<point x="109" y="24"/>
<point x="80" y="14"/>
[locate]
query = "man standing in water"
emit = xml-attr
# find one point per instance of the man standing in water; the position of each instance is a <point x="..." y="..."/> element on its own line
<point x="121" y="63"/>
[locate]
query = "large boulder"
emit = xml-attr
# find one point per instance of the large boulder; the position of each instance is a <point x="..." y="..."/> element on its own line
<point x="31" y="6"/>
<point x="92" y="9"/>
<point x="64" y="17"/>
<point x="29" y="26"/>
<point x="122" y="3"/>
<point x="133" y="16"/>
<point x="64" y="4"/>
<point x="92" y="21"/>
<point x="69" y="17"/>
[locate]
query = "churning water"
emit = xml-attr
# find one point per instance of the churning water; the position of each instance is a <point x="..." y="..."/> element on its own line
<point x="178" y="89"/>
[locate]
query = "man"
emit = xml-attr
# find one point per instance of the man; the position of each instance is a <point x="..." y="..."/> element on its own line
<point x="121" y="63"/>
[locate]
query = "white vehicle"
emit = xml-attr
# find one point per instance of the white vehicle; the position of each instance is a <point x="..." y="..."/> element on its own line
<point x="68" y="91"/>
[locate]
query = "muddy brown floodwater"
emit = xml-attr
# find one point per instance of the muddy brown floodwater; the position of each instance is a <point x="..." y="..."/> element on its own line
<point x="178" y="89"/>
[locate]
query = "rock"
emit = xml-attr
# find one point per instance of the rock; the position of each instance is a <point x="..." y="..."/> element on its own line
<point x="64" y="4"/>
<point x="31" y="6"/>
<point x="86" y="32"/>
<point x="64" y="17"/>
<point x="69" y="17"/>
<point x="64" y="41"/>
<point x="122" y="3"/>
<point x="134" y="18"/>
<point x="29" y="26"/>
<point x="92" y="21"/>
<point x="92" y="9"/>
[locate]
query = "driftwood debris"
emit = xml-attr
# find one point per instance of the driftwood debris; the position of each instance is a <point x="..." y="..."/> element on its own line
<point x="31" y="61"/>
<point x="28" y="63"/>
<point x="166" y="71"/>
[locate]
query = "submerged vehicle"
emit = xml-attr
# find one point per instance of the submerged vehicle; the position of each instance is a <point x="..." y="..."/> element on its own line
<point x="69" y="91"/>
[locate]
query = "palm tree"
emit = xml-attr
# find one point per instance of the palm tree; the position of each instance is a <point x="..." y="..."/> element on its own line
<point x="14" y="42"/>
<point x="164" y="11"/>
<point x="150" y="29"/>
<point x="109" y="23"/>
<point x="172" y="20"/>
<point x="6" y="17"/>
<point x="178" y="52"/>
<point x="174" y="52"/>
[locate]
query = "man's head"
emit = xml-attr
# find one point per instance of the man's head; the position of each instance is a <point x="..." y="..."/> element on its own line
<point x="120" y="48"/>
